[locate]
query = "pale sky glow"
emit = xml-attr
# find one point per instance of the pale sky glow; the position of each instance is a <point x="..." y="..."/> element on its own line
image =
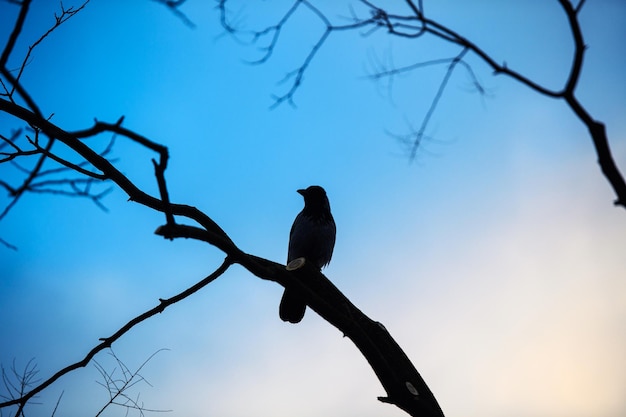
<point x="496" y="260"/>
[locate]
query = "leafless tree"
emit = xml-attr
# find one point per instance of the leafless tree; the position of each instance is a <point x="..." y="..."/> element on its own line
<point x="88" y="172"/>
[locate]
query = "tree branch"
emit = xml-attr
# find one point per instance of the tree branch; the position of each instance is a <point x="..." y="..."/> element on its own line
<point x="15" y="33"/>
<point x="415" y="24"/>
<point x="404" y="385"/>
<point x="173" y="6"/>
<point x="117" y="387"/>
<point x="442" y="86"/>
<point x="395" y="371"/>
<point x="298" y="73"/>
<point x="579" y="47"/>
<point x="108" y="341"/>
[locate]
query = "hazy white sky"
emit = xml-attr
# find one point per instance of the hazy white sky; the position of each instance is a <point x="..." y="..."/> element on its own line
<point x="496" y="260"/>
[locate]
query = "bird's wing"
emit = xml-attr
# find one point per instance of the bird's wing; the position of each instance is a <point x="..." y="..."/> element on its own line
<point x="312" y="238"/>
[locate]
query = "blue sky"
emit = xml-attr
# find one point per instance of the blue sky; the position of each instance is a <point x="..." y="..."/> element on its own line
<point x="496" y="259"/>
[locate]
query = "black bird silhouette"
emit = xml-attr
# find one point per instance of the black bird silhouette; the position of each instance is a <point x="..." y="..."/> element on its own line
<point x="312" y="237"/>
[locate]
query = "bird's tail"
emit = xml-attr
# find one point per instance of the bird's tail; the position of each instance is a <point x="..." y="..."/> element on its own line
<point x="291" y="307"/>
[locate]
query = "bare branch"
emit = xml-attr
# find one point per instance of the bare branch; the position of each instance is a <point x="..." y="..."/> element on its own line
<point x="76" y="192"/>
<point x="275" y="30"/>
<point x="100" y="127"/>
<point x="19" y="191"/>
<point x="117" y="387"/>
<point x="404" y="385"/>
<point x="299" y="73"/>
<point x="34" y="183"/>
<point x="579" y="47"/>
<point x="27" y="395"/>
<point x="17" y="383"/>
<point x="434" y="103"/>
<point x="415" y="24"/>
<point x="17" y="151"/>
<point x="65" y="15"/>
<point x="217" y="235"/>
<point x="14" y="85"/>
<point x="7" y="244"/>
<point x="596" y="129"/>
<point x="56" y="406"/>
<point x="580" y="5"/>
<point x="17" y="29"/>
<point x="65" y="163"/>
<point x="173" y="6"/>
<point x="159" y="172"/>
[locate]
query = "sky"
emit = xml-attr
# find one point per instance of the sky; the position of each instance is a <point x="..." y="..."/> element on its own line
<point x="496" y="259"/>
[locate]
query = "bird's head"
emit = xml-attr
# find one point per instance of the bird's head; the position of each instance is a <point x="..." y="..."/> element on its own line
<point x="315" y="198"/>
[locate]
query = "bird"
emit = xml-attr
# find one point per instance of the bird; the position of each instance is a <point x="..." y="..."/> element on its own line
<point x="312" y="237"/>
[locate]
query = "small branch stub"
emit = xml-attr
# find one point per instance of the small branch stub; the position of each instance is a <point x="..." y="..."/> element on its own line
<point x="411" y="388"/>
<point x="295" y="264"/>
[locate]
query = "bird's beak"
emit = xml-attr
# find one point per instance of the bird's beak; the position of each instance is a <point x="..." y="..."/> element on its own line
<point x="301" y="192"/>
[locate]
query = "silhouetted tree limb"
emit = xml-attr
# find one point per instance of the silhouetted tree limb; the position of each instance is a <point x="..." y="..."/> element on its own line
<point x="13" y="91"/>
<point x="274" y="32"/>
<point x="413" y="23"/>
<point x="18" y="382"/>
<point x="60" y="180"/>
<point x="26" y="395"/>
<point x="118" y="385"/>
<point x="405" y="387"/>
<point x="174" y="7"/>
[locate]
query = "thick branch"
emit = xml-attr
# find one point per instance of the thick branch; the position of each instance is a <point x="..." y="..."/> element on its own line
<point x="395" y="371"/>
<point x="597" y="130"/>
<point x="218" y="236"/>
<point x="404" y="385"/>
